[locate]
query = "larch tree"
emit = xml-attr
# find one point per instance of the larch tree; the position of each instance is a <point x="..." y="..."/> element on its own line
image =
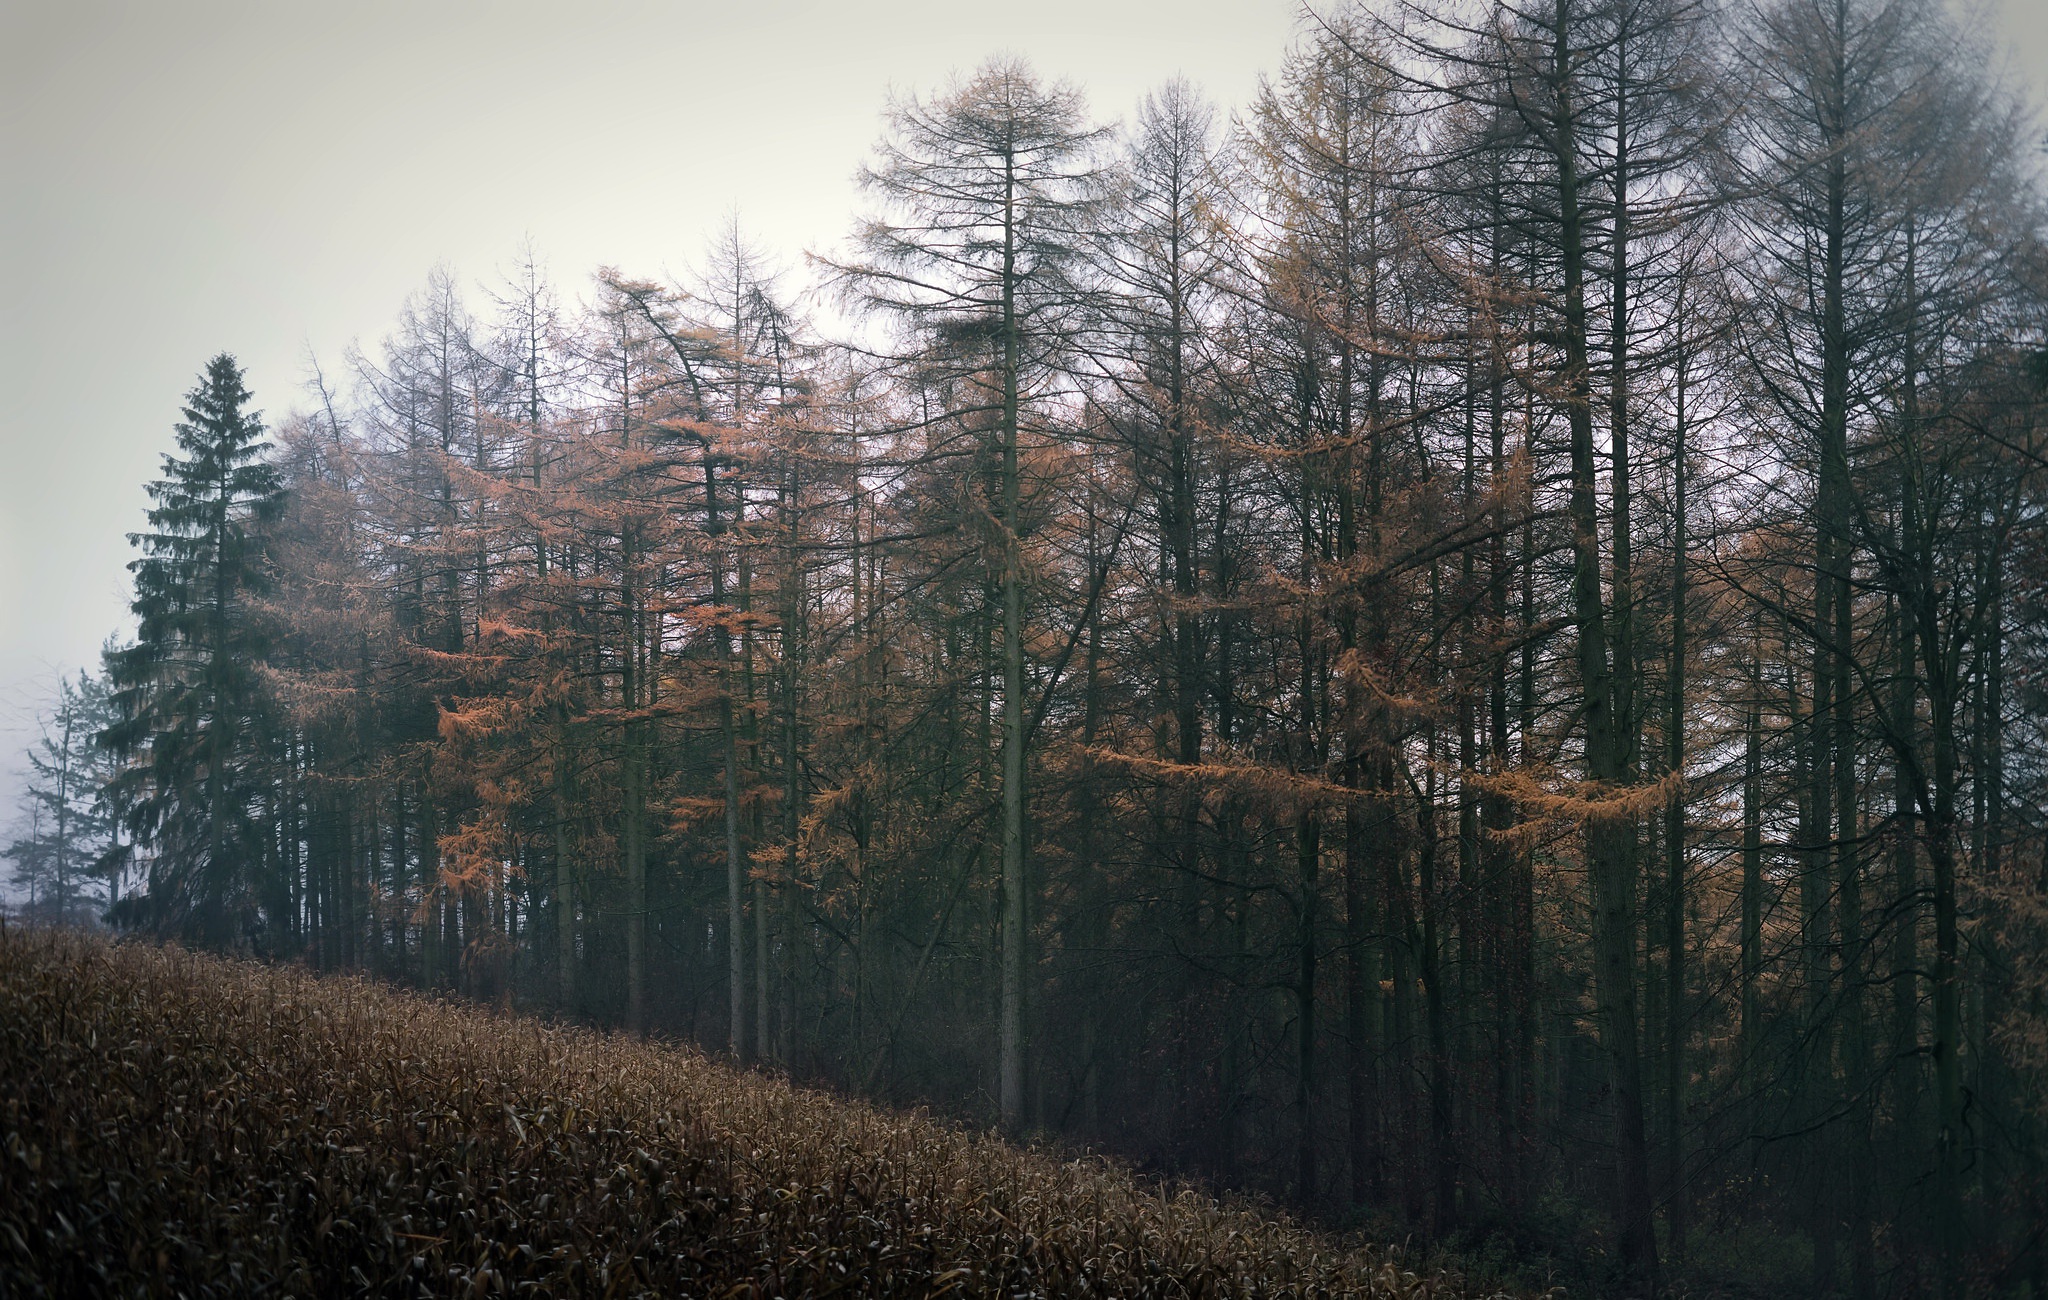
<point x="1462" y="649"/>
<point x="990" y="190"/>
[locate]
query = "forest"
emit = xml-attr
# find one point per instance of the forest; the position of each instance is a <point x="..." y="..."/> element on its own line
<point x="1459" y="648"/>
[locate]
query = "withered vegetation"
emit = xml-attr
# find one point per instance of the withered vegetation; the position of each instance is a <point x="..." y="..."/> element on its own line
<point x="179" y="1124"/>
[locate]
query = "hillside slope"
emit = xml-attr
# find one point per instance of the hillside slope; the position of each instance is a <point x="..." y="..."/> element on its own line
<point x="182" y="1124"/>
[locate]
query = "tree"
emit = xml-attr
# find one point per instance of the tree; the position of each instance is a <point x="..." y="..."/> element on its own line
<point x="1491" y="613"/>
<point x="71" y="834"/>
<point x="189" y="690"/>
<point x="991" y="190"/>
<point x="1871" y="315"/>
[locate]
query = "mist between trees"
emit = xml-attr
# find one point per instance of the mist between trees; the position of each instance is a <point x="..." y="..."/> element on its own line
<point x="1461" y="647"/>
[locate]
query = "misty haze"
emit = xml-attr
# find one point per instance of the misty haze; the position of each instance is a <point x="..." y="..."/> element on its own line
<point x="1386" y="649"/>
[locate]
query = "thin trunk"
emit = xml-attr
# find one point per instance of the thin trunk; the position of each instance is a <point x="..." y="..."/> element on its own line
<point x="1611" y="839"/>
<point x="1675" y="1008"/>
<point x="1308" y="849"/>
<point x="1010" y="1068"/>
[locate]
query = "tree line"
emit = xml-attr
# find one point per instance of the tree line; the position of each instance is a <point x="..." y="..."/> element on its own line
<point x="1460" y="646"/>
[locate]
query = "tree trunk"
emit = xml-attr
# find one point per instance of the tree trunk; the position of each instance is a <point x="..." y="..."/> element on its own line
<point x="1308" y="849"/>
<point x="1675" y="1007"/>
<point x="1611" y="839"/>
<point x="1010" y="1032"/>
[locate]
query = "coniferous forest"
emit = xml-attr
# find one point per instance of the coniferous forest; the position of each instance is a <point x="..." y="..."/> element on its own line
<point x="1460" y="648"/>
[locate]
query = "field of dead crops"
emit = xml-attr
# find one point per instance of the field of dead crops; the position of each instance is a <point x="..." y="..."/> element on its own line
<point x="177" y="1124"/>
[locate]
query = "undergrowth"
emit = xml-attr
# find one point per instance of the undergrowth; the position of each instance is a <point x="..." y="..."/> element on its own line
<point x="179" y="1124"/>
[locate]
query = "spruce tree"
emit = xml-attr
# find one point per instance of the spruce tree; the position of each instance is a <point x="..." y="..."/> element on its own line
<point x="189" y="690"/>
<point x="69" y="831"/>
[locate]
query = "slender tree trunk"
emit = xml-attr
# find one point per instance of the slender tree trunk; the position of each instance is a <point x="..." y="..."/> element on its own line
<point x="1308" y="849"/>
<point x="795" y="646"/>
<point x="1442" y="1148"/>
<point x="1010" y="1068"/>
<point x="1675" y="1007"/>
<point x="1360" y="995"/>
<point x="1751" y="1060"/>
<point x="1611" y="838"/>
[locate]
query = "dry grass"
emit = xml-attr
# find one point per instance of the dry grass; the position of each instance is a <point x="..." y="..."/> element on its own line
<point x="178" y="1124"/>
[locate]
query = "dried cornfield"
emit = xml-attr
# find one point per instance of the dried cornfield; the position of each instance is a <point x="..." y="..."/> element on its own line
<point x="178" y="1124"/>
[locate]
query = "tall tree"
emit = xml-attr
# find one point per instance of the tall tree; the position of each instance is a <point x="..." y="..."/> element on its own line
<point x="189" y="690"/>
<point x="990" y="190"/>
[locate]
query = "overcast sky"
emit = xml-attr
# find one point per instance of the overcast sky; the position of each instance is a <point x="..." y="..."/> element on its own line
<point x="182" y="178"/>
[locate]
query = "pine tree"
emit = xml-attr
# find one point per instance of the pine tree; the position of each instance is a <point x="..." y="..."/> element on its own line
<point x="189" y="690"/>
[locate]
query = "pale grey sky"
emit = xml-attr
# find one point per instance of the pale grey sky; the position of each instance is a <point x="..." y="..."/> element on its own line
<point x="182" y="177"/>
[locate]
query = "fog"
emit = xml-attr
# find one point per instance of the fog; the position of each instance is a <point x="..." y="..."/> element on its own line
<point x="272" y="180"/>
